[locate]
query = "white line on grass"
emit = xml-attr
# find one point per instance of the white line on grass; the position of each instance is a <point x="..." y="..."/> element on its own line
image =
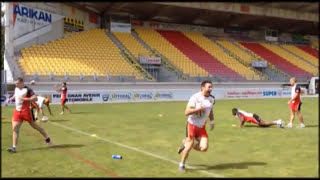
<point x="135" y="149"/>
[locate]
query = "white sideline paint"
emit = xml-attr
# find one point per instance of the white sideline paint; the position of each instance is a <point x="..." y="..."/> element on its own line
<point x="135" y="149"/>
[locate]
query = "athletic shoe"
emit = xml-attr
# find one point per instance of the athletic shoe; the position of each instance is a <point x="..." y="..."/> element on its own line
<point x="61" y="113"/>
<point x="44" y="118"/>
<point x="182" y="169"/>
<point x="281" y="124"/>
<point x="181" y="148"/>
<point x="301" y="126"/>
<point x="289" y="125"/>
<point x="48" y="140"/>
<point x="12" y="150"/>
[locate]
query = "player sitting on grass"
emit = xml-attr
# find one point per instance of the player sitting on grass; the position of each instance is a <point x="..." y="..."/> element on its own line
<point x="254" y="118"/>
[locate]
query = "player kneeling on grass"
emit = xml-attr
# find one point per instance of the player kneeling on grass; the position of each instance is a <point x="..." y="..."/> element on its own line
<point x="254" y="118"/>
<point x="199" y="108"/>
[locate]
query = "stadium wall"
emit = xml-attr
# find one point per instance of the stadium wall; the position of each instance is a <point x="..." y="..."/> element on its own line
<point x="58" y="27"/>
<point x="150" y="92"/>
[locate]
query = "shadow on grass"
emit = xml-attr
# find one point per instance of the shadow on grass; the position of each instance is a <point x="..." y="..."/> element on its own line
<point x="58" y="146"/>
<point x="6" y="122"/>
<point x="239" y="165"/>
<point x="55" y="120"/>
<point x="82" y="113"/>
<point x="312" y="126"/>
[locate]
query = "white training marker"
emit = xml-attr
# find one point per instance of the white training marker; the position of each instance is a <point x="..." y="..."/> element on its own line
<point x="160" y="115"/>
<point x="233" y="125"/>
<point x="93" y="135"/>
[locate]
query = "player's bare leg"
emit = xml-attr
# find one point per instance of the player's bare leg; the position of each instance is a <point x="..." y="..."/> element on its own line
<point x="272" y="123"/>
<point x="62" y="108"/>
<point x="291" y="118"/>
<point x="185" y="153"/>
<point x="15" y="135"/>
<point x="300" y="117"/>
<point x="201" y="145"/>
<point x="41" y="130"/>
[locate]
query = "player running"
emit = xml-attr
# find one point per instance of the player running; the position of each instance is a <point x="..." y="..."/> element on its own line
<point x="295" y="103"/>
<point x="63" y="99"/>
<point x="199" y="108"/>
<point x="23" y="96"/>
<point x="254" y="118"/>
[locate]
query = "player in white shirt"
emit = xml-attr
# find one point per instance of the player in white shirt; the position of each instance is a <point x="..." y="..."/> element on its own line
<point x="295" y="103"/>
<point x="199" y="108"/>
<point x="40" y="102"/>
<point x="24" y="96"/>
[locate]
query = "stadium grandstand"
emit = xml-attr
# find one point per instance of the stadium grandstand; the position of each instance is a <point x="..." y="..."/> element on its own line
<point x="149" y="42"/>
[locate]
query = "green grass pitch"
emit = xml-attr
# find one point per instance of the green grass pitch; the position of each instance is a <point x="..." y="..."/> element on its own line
<point x="85" y="141"/>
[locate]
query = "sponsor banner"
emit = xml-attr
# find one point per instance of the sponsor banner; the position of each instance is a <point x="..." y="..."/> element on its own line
<point x="142" y="96"/>
<point x="286" y="93"/>
<point x="3" y="98"/>
<point x="150" y="60"/>
<point x="27" y="19"/>
<point x="270" y="93"/>
<point x="120" y="96"/>
<point x="243" y="93"/>
<point x="154" y="95"/>
<point x="77" y="97"/>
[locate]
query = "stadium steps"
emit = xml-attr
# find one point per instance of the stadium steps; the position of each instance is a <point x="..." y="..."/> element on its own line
<point x="309" y="50"/>
<point x="199" y="55"/>
<point x="308" y="58"/>
<point x="271" y="71"/>
<point x="291" y="58"/>
<point x="277" y="61"/>
<point x="162" y="47"/>
<point x="168" y="72"/>
<point x="132" y="60"/>
<point x="136" y="36"/>
<point x="240" y="56"/>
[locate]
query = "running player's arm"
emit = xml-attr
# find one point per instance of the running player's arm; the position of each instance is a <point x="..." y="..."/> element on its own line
<point x="32" y="95"/>
<point x="211" y="117"/>
<point x="191" y="110"/>
<point x="13" y="96"/>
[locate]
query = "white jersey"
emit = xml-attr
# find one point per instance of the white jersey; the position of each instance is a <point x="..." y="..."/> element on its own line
<point x="293" y="88"/>
<point x="19" y="94"/>
<point x="40" y="101"/>
<point x="196" y="101"/>
<point x="245" y="113"/>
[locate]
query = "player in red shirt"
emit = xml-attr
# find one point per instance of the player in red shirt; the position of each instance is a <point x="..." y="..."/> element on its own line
<point x="254" y="118"/>
<point x="295" y="103"/>
<point x="23" y="97"/>
<point x="63" y="99"/>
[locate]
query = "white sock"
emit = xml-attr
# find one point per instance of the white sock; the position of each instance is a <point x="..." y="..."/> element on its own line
<point x="14" y="146"/>
<point x="181" y="164"/>
<point x="289" y="123"/>
<point x="278" y="122"/>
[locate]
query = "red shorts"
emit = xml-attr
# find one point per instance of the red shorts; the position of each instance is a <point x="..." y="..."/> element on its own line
<point x="22" y="115"/>
<point x="295" y="106"/>
<point x="195" y="131"/>
<point x="64" y="100"/>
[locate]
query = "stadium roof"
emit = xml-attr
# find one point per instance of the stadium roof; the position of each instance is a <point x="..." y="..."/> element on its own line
<point x="152" y="11"/>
